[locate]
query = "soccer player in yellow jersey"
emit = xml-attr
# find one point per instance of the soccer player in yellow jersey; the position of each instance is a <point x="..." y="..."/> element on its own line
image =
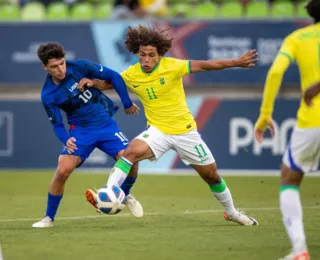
<point x="157" y="81"/>
<point x="303" y="151"/>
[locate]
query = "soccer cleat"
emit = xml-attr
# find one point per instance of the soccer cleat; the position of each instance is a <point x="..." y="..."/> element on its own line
<point x="134" y="207"/>
<point x="91" y="198"/>
<point x="43" y="223"/>
<point x="293" y="256"/>
<point x="241" y="219"/>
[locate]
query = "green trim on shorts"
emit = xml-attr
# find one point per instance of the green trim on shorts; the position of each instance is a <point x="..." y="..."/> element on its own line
<point x="219" y="187"/>
<point x="289" y="187"/>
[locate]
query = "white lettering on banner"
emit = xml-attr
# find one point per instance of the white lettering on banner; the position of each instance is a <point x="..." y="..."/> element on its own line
<point x="268" y="49"/>
<point x="227" y="47"/>
<point x="277" y="144"/>
<point x="6" y="133"/>
<point x="30" y="55"/>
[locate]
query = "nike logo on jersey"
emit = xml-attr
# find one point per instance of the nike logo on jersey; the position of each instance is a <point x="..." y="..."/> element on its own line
<point x="101" y="68"/>
<point x="203" y="160"/>
<point x="135" y="86"/>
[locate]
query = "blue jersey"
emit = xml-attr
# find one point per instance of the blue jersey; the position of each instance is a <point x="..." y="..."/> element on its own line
<point x="87" y="109"/>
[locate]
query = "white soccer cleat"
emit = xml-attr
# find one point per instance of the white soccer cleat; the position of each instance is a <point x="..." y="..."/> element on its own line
<point x="134" y="206"/>
<point x="46" y="222"/>
<point x="241" y="219"/>
<point x="299" y="256"/>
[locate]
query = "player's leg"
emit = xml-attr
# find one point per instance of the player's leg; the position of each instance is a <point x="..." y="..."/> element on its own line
<point x="221" y="192"/>
<point x="302" y="156"/>
<point x="66" y="165"/>
<point x="113" y="142"/>
<point x="131" y="178"/>
<point x="150" y="144"/>
<point x="193" y="151"/>
<point x="291" y="209"/>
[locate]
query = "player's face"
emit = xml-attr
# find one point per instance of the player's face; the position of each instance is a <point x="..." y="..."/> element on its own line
<point x="148" y="57"/>
<point x="56" y="68"/>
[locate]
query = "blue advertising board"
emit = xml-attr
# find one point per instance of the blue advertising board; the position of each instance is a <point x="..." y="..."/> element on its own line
<point x="27" y="139"/>
<point x="103" y="42"/>
<point x="18" y="49"/>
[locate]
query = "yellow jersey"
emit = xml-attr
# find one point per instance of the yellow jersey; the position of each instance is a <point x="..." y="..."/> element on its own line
<point x="162" y="94"/>
<point x="303" y="45"/>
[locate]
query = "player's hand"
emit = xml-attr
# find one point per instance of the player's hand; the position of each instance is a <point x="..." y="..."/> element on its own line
<point x="85" y="83"/>
<point x="133" y="110"/>
<point x="248" y="59"/>
<point x="70" y="145"/>
<point x="263" y="123"/>
<point x="310" y="93"/>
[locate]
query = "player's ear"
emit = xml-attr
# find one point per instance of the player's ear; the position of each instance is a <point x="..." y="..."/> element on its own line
<point x="44" y="67"/>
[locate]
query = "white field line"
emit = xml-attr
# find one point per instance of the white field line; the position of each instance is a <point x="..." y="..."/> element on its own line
<point x="151" y="214"/>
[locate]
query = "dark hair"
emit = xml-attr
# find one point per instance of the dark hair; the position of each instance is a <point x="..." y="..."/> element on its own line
<point x="313" y="8"/>
<point x="144" y="36"/>
<point x="50" y="51"/>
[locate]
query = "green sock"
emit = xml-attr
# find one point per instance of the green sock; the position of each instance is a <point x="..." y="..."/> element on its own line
<point x="218" y="187"/>
<point x="223" y="194"/>
<point x="119" y="172"/>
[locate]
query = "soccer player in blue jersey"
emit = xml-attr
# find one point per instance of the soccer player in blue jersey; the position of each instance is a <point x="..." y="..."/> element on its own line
<point x="89" y="115"/>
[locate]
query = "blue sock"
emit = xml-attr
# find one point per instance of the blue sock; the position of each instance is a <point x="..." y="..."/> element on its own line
<point x="52" y="205"/>
<point x="127" y="184"/>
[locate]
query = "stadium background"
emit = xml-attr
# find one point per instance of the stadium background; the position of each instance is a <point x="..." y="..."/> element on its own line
<point x="182" y="220"/>
<point x="224" y="103"/>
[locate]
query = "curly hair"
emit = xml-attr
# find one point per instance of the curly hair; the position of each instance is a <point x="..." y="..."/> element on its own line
<point x="144" y="36"/>
<point x="50" y="51"/>
<point x="313" y="9"/>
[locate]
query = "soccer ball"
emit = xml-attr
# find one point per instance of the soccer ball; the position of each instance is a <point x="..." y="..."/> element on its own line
<point x="111" y="199"/>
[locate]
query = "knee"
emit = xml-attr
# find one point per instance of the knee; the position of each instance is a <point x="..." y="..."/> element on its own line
<point x="63" y="173"/>
<point x="132" y="153"/>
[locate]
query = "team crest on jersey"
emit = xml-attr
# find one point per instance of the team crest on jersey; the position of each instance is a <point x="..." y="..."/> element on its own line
<point x="162" y="81"/>
<point x="145" y="136"/>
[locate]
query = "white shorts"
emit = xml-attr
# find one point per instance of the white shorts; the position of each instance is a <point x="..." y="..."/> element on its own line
<point x="303" y="151"/>
<point x="190" y="147"/>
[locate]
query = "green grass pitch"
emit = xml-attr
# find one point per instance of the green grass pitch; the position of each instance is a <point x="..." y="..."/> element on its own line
<point x="182" y="220"/>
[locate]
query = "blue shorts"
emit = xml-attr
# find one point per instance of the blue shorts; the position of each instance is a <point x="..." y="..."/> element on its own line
<point x="108" y="139"/>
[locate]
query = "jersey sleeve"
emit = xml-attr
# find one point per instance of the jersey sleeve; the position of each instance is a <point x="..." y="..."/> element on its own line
<point x="288" y="48"/>
<point x="55" y="117"/>
<point x="182" y="67"/>
<point x="125" y="76"/>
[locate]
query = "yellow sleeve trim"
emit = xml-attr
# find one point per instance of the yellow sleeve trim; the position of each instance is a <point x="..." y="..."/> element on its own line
<point x="287" y="55"/>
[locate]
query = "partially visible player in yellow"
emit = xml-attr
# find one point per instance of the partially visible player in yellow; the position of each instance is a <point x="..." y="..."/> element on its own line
<point x="155" y="7"/>
<point x="157" y="81"/>
<point x="303" y="151"/>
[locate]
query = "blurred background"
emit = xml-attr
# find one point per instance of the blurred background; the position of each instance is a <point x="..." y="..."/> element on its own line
<point x="224" y="103"/>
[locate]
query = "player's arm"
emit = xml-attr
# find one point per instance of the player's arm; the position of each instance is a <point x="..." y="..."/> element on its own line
<point x="102" y="85"/>
<point x="247" y="60"/>
<point x="97" y="71"/>
<point x="272" y="85"/>
<point x="55" y="117"/>
<point x="311" y="93"/>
